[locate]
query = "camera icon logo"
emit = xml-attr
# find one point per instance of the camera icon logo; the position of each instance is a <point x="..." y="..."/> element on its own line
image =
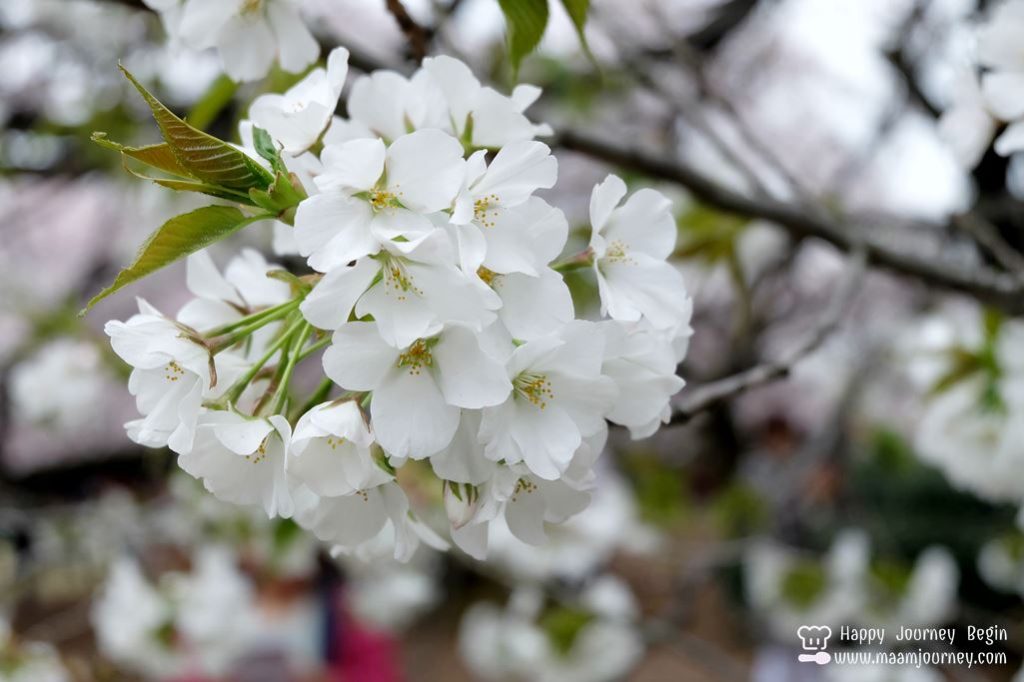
<point x="814" y="638"/>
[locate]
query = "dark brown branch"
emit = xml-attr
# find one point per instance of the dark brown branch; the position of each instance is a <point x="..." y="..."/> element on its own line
<point x="997" y="289"/>
<point x="418" y="36"/>
<point x="702" y="397"/>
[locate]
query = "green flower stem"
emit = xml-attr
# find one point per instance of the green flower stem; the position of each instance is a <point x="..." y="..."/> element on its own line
<point x="236" y="390"/>
<point x="240" y="329"/>
<point x="322" y="343"/>
<point x="264" y="316"/>
<point x="583" y="259"/>
<point x="281" y="397"/>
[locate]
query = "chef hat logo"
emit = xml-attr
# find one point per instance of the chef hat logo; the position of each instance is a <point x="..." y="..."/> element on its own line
<point x="814" y="637"/>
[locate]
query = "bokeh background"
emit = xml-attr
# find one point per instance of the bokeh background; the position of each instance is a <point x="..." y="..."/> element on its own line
<point x="826" y="492"/>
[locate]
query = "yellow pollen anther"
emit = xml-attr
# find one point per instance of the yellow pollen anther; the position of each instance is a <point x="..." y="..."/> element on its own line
<point x="488" y="276"/>
<point x="523" y="486"/>
<point x="381" y="199"/>
<point x="397" y="280"/>
<point x="250" y="6"/>
<point x="618" y="252"/>
<point x="534" y="387"/>
<point x="485" y="210"/>
<point x="173" y="371"/>
<point x="334" y="442"/>
<point x="260" y="454"/>
<point x="416" y="357"/>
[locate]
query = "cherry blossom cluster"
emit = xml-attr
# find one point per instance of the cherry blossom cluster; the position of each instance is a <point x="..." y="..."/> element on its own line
<point x="449" y="333"/>
<point x="969" y="368"/>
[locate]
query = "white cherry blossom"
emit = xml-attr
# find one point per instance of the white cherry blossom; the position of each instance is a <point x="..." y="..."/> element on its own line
<point x="631" y="243"/>
<point x="371" y="192"/>
<point x="418" y="389"/>
<point x="171" y="373"/>
<point x="412" y="289"/>
<point x="330" y="451"/>
<point x="243" y="460"/>
<point x="479" y="114"/>
<point x="642" y="362"/>
<point x="559" y="396"/>
<point x="248" y="34"/>
<point x="299" y="117"/>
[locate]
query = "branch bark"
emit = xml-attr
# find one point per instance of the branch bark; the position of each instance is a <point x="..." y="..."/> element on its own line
<point x="706" y="395"/>
<point x="994" y="288"/>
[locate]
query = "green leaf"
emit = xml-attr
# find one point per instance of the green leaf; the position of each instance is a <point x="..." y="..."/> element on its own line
<point x="161" y="157"/>
<point x="203" y="156"/>
<point x="265" y="145"/>
<point x="177" y="238"/>
<point x="526" y="21"/>
<point x="577" y="10"/>
<point x="157" y="156"/>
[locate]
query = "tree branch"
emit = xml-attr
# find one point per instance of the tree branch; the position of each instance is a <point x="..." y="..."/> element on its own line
<point x="704" y="396"/>
<point x="1001" y="290"/>
<point x="418" y="36"/>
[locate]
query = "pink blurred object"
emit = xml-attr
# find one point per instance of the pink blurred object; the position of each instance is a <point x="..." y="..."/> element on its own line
<point x="365" y="655"/>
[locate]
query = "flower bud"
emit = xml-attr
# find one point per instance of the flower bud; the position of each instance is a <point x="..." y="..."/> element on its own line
<point x="460" y="502"/>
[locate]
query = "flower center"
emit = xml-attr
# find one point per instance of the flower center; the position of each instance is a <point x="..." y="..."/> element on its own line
<point x="397" y="279"/>
<point x="534" y="387"/>
<point x="485" y="210"/>
<point x="335" y="442"/>
<point x="250" y="6"/>
<point x="524" y="486"/>
<point x="618" y="252"/>
<point x="416" y="357"/>
<point x="381" y="198"/>
<point x="174" y="371"/>
<point x="261" y="452"/>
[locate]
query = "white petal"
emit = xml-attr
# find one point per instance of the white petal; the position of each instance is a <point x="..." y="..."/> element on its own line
<point x="1011" y="140"/>
<point x="202" y="21"/>
<point x="459" y="85"/>
<point x="562" y="502"/>
<point x="463" y="461"/>
<point x="246" y="48"/>
<point x="603" y="200"/>
<point x="348" y="520"/>
<point x="333" y="230"/>
<point x="524" y="94"/>
<point x="1004" y="93"/>
<point x="242" y="436"/>
<point x="517" y="171"/>
<point x="534" y="306"/>
<point x="358" y="359"/>
<point x="204" y="279"/>
<point x="525" y="238"/>
<point x="410" y="417"/>
<point x="425" y="170"/>
<point x="330" y="303"/>
<point x="402" y="315"/>
<point x="295" y="130"/>
<point x="644" y="223"/>
<point x="353" y="165"/>
<point x="498" y="122"/>
<point x="645" y="287"/>
<point x="248" y="274"/>
<point x="378" y="102"/>
<point x="525" y="514"/>
<point x="468" y="377"/>
<point x="547" y="439"/>
<point x="472" y="539"/>
<point x="296" y="46"/>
